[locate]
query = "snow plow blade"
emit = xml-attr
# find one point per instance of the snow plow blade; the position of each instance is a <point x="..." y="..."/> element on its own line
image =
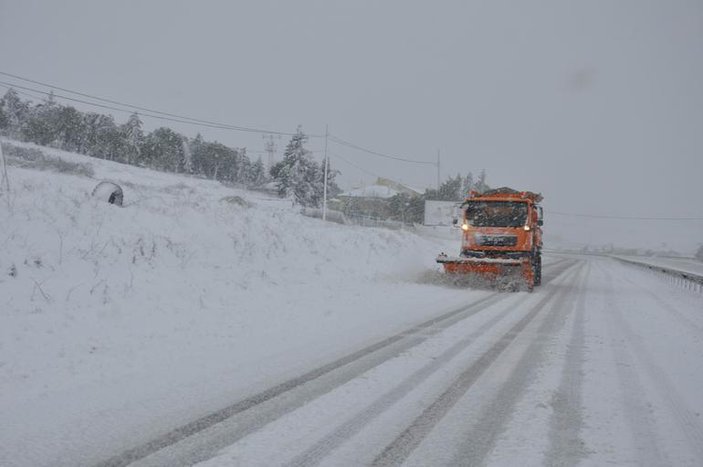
<point x="489" y="268"/>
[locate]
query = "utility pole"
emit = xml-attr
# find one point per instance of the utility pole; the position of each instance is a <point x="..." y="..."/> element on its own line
<point x="270" y="146"/>
<point x="438" y="182"/>
<point x="324" y="191"/>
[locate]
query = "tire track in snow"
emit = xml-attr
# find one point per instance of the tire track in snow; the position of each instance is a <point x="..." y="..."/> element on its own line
<point x="481" y="438"/>
<point x="384" y="350"/>
<point x="316" y="453"/>
<point x="633" y="399"/>
<point x="685" y="418"/>
<point x="566" y="447"/>
<point x="403" y="446"/>
<point x="405" y="340"/>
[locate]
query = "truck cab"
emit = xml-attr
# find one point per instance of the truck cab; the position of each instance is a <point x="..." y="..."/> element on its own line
<point x="501" y="230"/>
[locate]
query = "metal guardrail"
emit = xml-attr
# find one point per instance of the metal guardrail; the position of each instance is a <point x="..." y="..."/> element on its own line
<point x="687" y="280"/>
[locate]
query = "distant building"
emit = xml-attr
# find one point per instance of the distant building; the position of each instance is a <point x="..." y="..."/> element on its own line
<point x="372" y="200"/>
<point x="382" y="188"/>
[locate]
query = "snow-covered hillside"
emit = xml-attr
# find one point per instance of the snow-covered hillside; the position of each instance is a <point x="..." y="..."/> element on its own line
<point x="118" y="323"/>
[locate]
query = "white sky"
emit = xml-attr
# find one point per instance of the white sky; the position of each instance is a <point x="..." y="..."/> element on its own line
<point x="597" y="104"/>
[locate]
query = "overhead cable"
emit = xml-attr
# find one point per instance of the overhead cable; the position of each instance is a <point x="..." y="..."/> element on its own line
<point x="180" y="118"/>
<point x="340" y="141"/>
<point x="337" y="156"/>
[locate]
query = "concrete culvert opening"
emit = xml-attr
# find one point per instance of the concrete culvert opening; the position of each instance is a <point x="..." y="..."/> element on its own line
<point x="110" y="192"/>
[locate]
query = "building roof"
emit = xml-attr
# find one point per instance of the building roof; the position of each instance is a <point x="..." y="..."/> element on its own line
<point x="371" y="191"/>
<point x="383" y="188"/>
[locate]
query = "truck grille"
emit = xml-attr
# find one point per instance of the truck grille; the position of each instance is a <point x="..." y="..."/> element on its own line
<point x="496" y="240"/>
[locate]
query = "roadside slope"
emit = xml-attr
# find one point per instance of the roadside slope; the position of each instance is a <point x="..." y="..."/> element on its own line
<point x="121" y="323"/>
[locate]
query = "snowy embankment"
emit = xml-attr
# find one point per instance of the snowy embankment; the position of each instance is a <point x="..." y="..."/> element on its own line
<point x="120" y="323"/>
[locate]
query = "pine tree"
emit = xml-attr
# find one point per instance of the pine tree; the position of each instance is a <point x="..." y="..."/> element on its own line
<point x="102" y="136"/>
<point x="43" y="122"/>
<point x="211" y="159"/>
<point x="15" y="111"/>
<point x="70" y="132"/>
<point x="134" y="138"/>
<point x="258" y="172"/>
<point x="298" y="176"/>
<point x="163" y="149"/>
<point x="308" y="183"/>
<point x="197" y="151"/>
<point x="255" y="173"/>
<point x="285" y="172"/>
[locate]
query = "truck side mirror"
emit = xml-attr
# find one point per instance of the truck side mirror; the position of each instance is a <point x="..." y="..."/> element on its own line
<point x="540" y="222"/>
<point x="455" y="221"/>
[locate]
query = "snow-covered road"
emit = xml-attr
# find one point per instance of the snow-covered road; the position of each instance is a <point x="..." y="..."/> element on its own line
<point x="601" y="365"/>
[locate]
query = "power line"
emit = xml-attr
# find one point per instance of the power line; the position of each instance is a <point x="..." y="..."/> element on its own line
<point x="354" y="165"/>
<point x="42" y="94"/>
<point x="103" y="106"/>
<point x="627" y="218"/>
<point x="191" y="120"/>
<point x="23" y="93"/>
<point x="337" y="156"/>
<point x="340" y="141"/>
<point x="171" y="117"/>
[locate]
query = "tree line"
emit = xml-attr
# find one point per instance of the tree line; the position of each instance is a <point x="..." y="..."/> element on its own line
<point x="49" y="123"/>
<point x="298" y="176"/>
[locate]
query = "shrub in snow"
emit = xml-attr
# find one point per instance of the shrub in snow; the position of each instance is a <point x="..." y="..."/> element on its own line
<point x="699" y="253"/>
<point x="110" y="192"/>
<point x="332" y="215"/>
<point x="27" y="154"/>
<point x="32" y="158"/>
<point x="236" y="200"/>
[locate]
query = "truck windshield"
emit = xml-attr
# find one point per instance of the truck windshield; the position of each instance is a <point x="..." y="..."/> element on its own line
<point x="496" y="213"/>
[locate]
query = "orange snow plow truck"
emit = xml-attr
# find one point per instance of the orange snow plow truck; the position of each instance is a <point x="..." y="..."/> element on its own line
<point x="501" y="238"/>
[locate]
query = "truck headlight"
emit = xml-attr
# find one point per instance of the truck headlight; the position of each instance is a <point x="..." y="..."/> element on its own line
<point x="464" y="226"/>
<point x="527" y="228"/>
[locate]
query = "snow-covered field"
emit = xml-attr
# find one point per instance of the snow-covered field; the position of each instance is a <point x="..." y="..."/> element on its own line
<point x="119" y="325"/>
